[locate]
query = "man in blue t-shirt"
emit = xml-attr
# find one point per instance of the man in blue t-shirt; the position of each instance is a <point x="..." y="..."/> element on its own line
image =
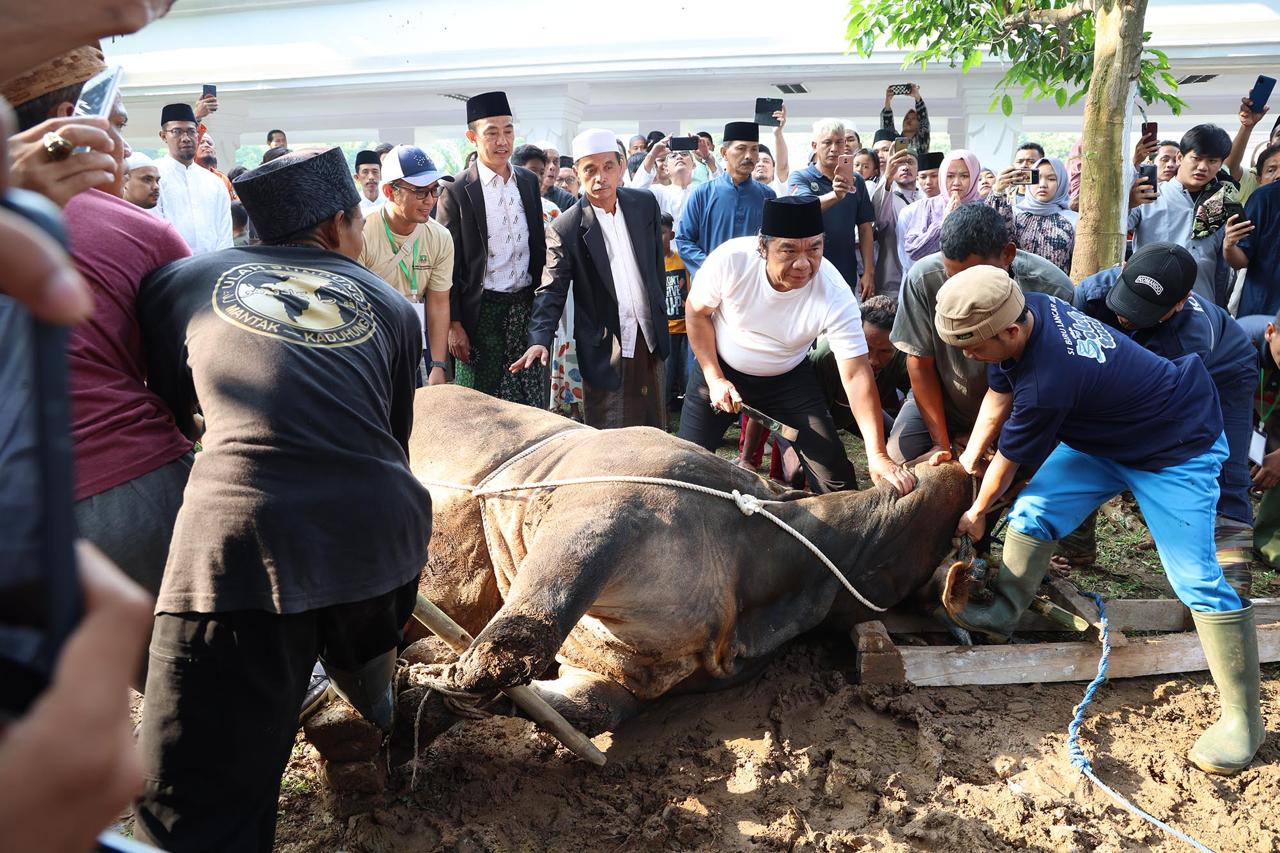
<point x="1150" y="300"/>
<point x="1099" y="414"/>
<point x="847" y="212"/>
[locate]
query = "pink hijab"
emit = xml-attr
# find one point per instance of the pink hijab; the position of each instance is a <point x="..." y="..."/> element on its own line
<point x="925" y="236"/>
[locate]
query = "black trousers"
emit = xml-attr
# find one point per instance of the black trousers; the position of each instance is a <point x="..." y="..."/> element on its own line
<point x="221" y="713"/>
<point x="795" y="399"/>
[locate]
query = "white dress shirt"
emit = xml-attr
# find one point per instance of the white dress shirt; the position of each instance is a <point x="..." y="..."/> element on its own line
<point x="507" y="267"/>
<point x="633" y="303"/>
<point x="196" y="203"/>
<point x="367" y="207"/>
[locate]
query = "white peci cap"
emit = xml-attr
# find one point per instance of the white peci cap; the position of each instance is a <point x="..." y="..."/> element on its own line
<point x="594" y="140"/>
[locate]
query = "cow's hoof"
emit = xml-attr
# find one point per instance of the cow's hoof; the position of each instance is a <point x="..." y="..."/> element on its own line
<point x="511" y="651"/>
<point x="428" y="650"/>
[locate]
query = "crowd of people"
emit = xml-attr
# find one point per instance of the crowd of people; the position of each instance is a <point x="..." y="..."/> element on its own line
<point x="256" y="339"/>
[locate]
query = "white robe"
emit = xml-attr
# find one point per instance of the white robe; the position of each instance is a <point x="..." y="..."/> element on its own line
<point x="196" y="203"/>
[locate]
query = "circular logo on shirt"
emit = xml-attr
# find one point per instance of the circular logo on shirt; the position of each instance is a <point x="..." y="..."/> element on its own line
<point x="298" y="305"/>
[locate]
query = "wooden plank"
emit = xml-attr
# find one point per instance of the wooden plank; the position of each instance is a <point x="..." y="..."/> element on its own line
<point x="1045" y="662"/>
<point x="878" y="659"/>
<point x="1124" y="614"/>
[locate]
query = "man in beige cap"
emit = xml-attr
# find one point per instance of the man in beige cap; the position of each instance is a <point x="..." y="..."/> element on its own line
<point x="1098" y="414"/>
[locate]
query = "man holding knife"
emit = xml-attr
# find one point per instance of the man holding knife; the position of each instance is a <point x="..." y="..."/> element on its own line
<point x="755" y="308"/>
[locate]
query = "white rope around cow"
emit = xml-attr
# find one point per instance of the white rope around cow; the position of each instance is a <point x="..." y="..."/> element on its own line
<point x="748" y="504"/>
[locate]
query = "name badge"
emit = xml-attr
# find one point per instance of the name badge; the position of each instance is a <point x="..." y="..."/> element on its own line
<point x="1257" y="447"/>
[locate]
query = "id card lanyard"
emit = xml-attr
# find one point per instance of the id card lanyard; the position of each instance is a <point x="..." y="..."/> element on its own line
<point x="409" y="272"/>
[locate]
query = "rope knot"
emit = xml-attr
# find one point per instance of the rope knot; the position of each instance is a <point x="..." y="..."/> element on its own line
<point x="749" y="504"/>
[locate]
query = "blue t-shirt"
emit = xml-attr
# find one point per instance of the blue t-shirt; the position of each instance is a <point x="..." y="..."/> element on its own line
<point x="1200" y="327"/>
<point x="840" y="220"/>
<point x="1102" y="394"/>
<point x="1261" y="294"/>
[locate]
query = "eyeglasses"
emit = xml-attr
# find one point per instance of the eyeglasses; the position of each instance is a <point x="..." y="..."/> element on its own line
<point x="420" y="194"/>
<point x="183" y="133"/>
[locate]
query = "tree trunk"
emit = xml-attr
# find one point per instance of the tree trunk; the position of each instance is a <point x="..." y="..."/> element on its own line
<point x="1103" y="193"/>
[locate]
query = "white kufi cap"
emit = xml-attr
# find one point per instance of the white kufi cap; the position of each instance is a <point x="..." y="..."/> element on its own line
<point x="136" y="159"/>
<point x="594" y="141"/>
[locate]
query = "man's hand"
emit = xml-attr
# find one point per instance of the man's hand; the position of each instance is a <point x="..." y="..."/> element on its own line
<point x="883" y="470"/>
<point x="1266" y="475"/>
<point x="1008" y="177"/>
<point x="867" y="285"/>
<point x="1248" y="118"/>
<point x="1142" y="192"/>
<point x="1237" y="230"/>
<point x="204" y="106"/>
<point x="69" y="766"/>
<point x="59" y="180"/>
<point x="897" y="160"/>
<point x="437" y="377"/>
<point x="723" y="396"/>
<point x="915" y="92"/>
<point x="972" y="463"/>
<point x="459" y="343"/>
<point x="533" y="355"/>
<point x="972" y="524"/>
<point x="661" y="148"/>
<point x="780" y="116"/>
<point x="840" y="186"/>
<point x="704" y="152"/>
<point x="1146" y="146"/>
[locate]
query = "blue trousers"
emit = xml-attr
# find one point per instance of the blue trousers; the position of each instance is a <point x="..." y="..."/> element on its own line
<point x="1178" y="504"/>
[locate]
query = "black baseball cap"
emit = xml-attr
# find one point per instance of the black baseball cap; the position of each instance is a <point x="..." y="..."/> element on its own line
<point x="1156" y="278"/>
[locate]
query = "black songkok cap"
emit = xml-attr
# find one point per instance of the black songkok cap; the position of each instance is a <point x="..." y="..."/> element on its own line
<point x="294" y="192"/>
<point x="741" y="131"/>
<point x="792" y="216"/>
<point x="882" y="135"/>
<point x="566" y="162"/>
<point x="177" y="112"/>
<point x="368" y="158"/>
<point x="487" y="105"/>
<point x="931" y="160"/>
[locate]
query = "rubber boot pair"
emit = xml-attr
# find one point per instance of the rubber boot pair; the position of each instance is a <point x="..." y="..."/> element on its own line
<point x="1230" y="643"/>
<point x="368" y="688"/>
<point x="1023" y="565"/>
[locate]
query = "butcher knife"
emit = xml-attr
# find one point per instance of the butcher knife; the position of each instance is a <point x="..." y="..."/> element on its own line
<point x="789" y="433"/>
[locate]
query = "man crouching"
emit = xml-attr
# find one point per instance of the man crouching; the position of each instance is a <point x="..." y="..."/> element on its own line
<point x="303" y="530"/>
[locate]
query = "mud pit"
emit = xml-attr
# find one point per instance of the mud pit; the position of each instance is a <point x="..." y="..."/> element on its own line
<point x="800" y="758"/>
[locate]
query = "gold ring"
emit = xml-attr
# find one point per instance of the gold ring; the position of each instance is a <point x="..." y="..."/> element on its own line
<point x="56" y="146"/>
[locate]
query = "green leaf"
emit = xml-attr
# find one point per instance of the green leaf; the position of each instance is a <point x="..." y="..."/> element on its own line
<point x="1061" y="97"/>
<point x="1006" y="105"/>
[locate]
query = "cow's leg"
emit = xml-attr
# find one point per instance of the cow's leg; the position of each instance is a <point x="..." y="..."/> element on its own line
<point x="569" y="559"/>
<point x="591" y="703"/>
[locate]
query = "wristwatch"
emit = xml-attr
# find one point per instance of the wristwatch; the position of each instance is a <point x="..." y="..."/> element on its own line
<point x="443" y="365"/>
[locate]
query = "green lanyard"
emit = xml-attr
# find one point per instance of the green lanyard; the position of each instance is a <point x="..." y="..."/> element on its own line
<point x="1262" y="387"/>
<point x="410" y="273"/>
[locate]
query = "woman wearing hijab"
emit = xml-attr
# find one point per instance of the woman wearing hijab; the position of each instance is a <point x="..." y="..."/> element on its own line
<point x="1043" y="222"/>
<point x="959" y="176"/>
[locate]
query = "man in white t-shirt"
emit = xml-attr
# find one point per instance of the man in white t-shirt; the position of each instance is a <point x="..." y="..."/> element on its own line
<point x="756" y="307"/>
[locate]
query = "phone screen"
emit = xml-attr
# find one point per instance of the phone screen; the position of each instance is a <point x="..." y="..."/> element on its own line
<point x="209" y="91"/>
<point x="39" y="590"/>
<point x="98" y="95"/>
<point x="683" y="143"/>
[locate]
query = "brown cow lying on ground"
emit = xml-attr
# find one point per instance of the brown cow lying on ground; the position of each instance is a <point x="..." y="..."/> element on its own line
<point x="640" y="589"/>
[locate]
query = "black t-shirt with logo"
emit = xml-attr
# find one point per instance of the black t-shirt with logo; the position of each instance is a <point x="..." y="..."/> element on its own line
<point x="302" y="363"/>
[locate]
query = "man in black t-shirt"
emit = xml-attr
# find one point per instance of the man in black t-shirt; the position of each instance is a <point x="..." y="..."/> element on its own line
<point x="303" y="530"/>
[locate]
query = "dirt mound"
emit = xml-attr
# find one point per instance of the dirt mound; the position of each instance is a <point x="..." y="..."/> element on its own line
<point x="802" y="759"/>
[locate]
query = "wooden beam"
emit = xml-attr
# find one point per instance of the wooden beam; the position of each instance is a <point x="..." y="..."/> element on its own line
<point x="1045" y="662"/>
<point x="1125" y="614"/>
<point x="878" y="659"/>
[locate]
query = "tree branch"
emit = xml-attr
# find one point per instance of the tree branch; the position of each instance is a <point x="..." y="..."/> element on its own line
<point x="1050" y="17"/>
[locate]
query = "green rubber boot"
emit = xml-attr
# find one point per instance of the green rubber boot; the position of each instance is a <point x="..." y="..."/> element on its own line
<point x="1023" y="565"/>
<point x="1230" y="643"/>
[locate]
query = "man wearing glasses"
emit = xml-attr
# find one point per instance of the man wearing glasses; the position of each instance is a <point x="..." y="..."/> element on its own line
<point x="410" y="250"/>
<point x="192" y="199"/>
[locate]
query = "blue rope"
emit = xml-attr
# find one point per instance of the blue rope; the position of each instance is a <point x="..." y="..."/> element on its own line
<point x="1076" y="753"/>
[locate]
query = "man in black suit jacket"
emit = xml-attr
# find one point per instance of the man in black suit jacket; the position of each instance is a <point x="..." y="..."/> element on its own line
<point x="493" y="211"/>
<point x="609" y="248"/>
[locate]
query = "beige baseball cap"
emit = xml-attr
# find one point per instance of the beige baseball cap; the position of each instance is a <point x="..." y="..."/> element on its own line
<point x="976" y="305"/>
